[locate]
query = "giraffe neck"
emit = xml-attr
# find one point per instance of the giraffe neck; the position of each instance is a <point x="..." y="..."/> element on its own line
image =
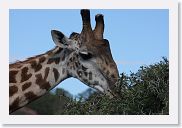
<point x="35" y="76"/>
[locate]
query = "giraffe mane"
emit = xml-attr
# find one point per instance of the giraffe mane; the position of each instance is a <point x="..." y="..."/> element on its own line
<point x="18" y="63"/>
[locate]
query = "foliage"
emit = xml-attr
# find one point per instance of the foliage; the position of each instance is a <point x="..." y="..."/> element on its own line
<point x="49" y="104"/>
<point x="142" y="93"/>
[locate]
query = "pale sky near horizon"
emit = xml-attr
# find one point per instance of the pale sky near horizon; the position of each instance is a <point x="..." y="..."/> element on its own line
<point x="137" y="37"/>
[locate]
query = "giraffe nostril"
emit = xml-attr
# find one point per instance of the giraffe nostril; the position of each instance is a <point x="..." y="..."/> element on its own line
<point x="79" y="73"/>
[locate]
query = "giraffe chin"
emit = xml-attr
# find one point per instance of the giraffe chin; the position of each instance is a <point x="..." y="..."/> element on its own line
<point x="106" y="92"/>
<point x="111" y="95"/>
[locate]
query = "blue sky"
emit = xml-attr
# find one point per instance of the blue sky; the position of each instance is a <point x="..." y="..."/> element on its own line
<point x="137" y="37"/>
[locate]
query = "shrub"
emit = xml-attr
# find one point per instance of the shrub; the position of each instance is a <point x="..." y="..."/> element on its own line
<point x="143" y="93"/>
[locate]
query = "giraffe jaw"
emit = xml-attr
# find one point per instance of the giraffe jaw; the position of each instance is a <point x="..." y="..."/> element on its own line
<point x="107" y="92"/>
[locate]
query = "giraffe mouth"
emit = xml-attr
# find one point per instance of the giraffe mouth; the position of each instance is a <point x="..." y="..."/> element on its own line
<point x="107" y="92"/>
<point x="110" y="94"/>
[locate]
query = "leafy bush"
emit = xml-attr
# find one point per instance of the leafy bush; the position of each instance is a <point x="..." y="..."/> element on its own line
<point x="51" y="103"/>
<point x="142" y="93"/>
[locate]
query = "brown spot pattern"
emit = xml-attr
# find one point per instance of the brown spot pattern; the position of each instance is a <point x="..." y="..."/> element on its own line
<point x="24" y="75"/>
<point x="104" y="68"/>
<point x="42" y="59"/>
<point x="43" y="84"/>
<point x="52" y="60"/>
<point x="85" y="80"/>
<point x="106" y="62"/>
<point x="57" y="60"/>
<point x="12" y="90"/>
<point x="26" y="85"/>
<point x="49" y="53"/>
<point x="84" y="68"/>
<point x="15" y="65"/>
<point x="63" y="58"/>
<point x="12" y="76"/>
<point x="46" y="73"/>
<point x="76" y="64"/>
<point x="59" y="50"/>
<point x="30" y="96"/>
<point x="71" y="59"/>
<point x="90" y="75"/>
<point x="14" y="105"/>
<point x="113" y="76"/>
<point x="36" y="66"/>
<point x="56" y="74"/>
<point x="86" y="74"/>
<point x="107" y="72"/>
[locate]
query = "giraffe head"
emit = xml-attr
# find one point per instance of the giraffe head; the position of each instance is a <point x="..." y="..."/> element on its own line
<point x="90" y="59"/>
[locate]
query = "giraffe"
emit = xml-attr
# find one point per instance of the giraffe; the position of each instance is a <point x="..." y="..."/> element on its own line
<point x="85" y="56"/>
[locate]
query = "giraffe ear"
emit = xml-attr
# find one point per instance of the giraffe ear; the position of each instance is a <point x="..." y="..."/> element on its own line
<point x="60" y="39"/>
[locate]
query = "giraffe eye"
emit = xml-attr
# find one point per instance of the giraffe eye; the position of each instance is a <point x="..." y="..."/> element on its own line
<point x="85" y="56"/>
